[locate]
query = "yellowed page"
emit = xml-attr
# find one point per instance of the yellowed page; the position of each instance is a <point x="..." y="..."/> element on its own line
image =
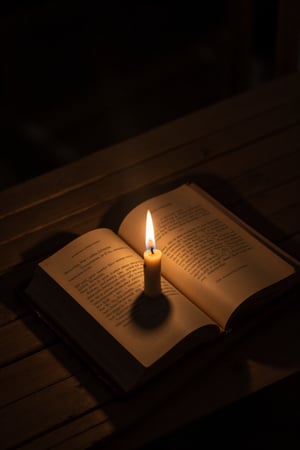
<point x="206" y="254"/>
<point x="105" y="277"/>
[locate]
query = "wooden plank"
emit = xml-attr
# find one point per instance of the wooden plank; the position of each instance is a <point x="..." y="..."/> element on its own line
<point x="235" y="164"/>
<point x="50" y="237"/>
<point x="256" y="181"/>
<point x="288" y="219"/>
<point x="243" y="370"/>
<point x="277" y="94"/>
<point x="54" y="406"/>
<point x="96" y="435"/>
<point x="145" y="409"/>
<point x="23" y="337"/>
<point x="37" y="371"/>
<point x="10" y="285"/>
<point x="190" y="392"/>
<point x="149" y="431"/>
<point x="227" y="166"/>
<point x="271" y="200"/>
<point x="73" y="435"/>
<point x="88" y="196"/>
<point x="277" y="171"/>
<point x="292" y="244"/>
<point x="246" y="156"/>
<point x="10" y="308"/>
<point x="271" y="205"/>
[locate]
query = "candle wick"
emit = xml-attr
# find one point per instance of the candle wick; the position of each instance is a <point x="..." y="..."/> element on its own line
<point x="152" y="250"/>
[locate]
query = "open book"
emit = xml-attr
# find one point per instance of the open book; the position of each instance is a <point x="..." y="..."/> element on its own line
<point x="217" y="272"/>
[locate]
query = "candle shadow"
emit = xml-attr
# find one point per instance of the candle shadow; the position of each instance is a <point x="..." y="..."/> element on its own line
<point x="149" y="312"/>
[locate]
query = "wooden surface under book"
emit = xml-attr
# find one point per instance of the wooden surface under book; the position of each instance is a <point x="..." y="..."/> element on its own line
<point x="245" y="152"/>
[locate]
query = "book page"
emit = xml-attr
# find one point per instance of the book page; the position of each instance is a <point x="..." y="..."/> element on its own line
<point x="105" y="277"/>
<point x="208" y="256"/>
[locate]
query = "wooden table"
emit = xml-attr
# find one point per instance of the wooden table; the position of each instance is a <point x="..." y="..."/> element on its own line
<point x="244" y="151"/>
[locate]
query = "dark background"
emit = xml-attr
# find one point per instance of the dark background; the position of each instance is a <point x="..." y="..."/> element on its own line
<point x="79" y="76"/>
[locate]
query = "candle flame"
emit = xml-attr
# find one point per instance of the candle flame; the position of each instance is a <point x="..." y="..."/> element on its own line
<point x="150" y="240"/>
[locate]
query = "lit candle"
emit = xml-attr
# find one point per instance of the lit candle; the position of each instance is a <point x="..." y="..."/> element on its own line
<point x="152" y="262"/>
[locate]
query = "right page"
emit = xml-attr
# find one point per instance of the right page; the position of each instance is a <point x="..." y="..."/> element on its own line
<point x="207" y="254"/>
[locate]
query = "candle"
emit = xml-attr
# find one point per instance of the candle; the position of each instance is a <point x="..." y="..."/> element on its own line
<point x="152" y="262"/>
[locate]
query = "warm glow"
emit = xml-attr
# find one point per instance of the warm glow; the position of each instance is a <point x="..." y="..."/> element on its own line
<point x="150" y="240"/>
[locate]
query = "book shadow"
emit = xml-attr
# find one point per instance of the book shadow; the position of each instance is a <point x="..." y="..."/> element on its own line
<point x="21" y="274"/>
<point x="273" y="337"/>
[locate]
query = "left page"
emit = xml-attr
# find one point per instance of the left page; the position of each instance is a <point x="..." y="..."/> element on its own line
<point x="105" y="277"/>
